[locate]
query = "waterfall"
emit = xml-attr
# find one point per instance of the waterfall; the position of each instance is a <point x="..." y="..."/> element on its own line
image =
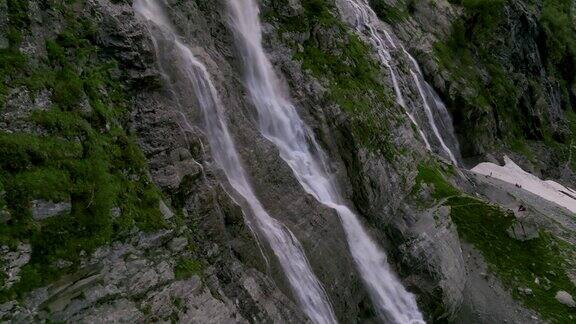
<point x="189" y="73"/>
<point x="427" y="95"/>
<point x="365" y="22"/>
<point x="402" y="103"/>
<point x="430" y="117"/>
<point x="280" y="123"/>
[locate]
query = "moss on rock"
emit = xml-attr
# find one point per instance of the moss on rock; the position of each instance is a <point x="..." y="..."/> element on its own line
<point x="83" y="154"/>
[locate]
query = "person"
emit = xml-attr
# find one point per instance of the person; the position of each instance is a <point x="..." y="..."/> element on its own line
<point x="521" y="208"/>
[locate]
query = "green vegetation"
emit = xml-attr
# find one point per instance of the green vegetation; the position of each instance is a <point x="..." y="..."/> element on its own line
<point x="390" y="13"/>
<point x="11" y="60"/>
<point x="186" y="268"/>
<point x="343" y="62"/>
<point x="518" y="264"/>
<point x="432" y="175"/>
<point x="473" y="56"/>
<point x="465" y="54"/>
<point x="17" y="21"/>
<point x="560" y="39"/>
<point x="83" y="154"/>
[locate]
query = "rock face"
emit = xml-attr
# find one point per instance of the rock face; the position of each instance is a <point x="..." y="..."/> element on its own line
<point x="139" y="281"/>
<point x="504" y="85"/>
<point x="174" y="244"/>
<point x="13" y="261"/>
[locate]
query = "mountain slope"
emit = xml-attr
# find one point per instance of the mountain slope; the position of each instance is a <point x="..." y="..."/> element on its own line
<point x="114" y="208"/>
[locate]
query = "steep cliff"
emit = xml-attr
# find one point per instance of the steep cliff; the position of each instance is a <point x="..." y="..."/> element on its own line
<point x="113" y="207"/>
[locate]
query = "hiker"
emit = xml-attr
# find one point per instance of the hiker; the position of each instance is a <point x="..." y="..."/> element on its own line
<point x="521" y="208"/>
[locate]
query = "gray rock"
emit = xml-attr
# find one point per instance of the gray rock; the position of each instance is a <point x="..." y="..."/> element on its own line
<point x="165" y="210"/>
<point x="61" y="264"/>
<point x="3" y="24"/>
<point x="178" y="244"/>
<point x="13" y="261"/>
<point x="118" y="311"/>
<point x="565" y="298"/>
<point x="525" y="291"/>
<point x="115" y="212"/>
<point x="7" y="308"/>
<point x="42" y="209"/>
<point x="193" y="303"/>
<point x="5" y="215"/>
<point x="20" y="104"/>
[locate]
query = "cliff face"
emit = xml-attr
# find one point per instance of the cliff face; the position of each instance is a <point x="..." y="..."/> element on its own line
<point x="505" y="69"/>
<point x="112" y="207"/>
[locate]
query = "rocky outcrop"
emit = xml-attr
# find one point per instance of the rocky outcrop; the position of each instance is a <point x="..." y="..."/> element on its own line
<point x="13" y="260"/>
<point x="142" y="280"/>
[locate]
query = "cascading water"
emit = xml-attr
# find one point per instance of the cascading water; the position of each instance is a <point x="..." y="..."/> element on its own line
<point x="430" y="116"/>
<point x="189" y="73"/>
<point x="280" y="123"/>
<point x="365" y="22"/>
<point x="429" y="96"/>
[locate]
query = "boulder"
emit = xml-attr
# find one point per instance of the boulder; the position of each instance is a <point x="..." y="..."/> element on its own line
<point x="565" y="298"/>
<point x="42" y="209"/>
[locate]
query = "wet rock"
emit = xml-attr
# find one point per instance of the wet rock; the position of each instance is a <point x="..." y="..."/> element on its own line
<point x="42" y="209"/>
<point x="565" y="298"/>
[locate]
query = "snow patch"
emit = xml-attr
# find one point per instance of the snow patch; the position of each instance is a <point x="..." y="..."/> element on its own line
<point x="512" y="173"/>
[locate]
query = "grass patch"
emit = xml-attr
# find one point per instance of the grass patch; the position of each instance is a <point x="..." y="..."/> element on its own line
<point x="186" y="268"/>
<point x="433" y="176"/>
<point x="518" y="263"/>
<point x="393" y="13"/>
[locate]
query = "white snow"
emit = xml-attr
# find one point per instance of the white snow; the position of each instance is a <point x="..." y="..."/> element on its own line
<point x="512" y="173"/>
